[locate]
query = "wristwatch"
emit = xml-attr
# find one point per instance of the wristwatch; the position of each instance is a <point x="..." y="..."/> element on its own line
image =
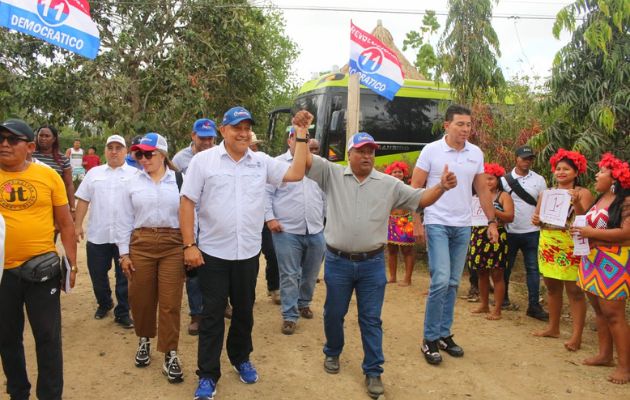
<point x="301" y="140"/>
<point x="493" y="221"/>
<point x="74" y="268"/>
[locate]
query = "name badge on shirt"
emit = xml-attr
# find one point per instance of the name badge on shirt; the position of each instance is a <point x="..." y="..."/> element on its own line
<point x="257" y="164"/>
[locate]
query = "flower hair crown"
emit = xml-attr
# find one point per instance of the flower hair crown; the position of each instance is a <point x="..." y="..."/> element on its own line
<point x="619" y="170"/>
<point x="493" y="169"/>
<point x="397" y="165"/>
<point x="578" y="159"/>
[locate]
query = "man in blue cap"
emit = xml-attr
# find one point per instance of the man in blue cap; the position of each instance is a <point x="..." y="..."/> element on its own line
<point x="230" y="178"/>
<point x="203" y="135"/>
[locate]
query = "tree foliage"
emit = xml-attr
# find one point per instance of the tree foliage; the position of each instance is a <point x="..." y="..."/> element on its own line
<point x="426" y="59"/>
<point x="469" y="48"/>
<point x="162" y="64"/>
<point x="589" y="87"/>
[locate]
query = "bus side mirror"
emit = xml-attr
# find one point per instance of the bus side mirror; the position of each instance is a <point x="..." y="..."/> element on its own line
<point x="336" y="121"/>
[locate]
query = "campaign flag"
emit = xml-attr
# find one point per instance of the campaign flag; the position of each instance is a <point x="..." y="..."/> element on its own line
<point x="377" y="65"/>
<point x="64" y="23"/>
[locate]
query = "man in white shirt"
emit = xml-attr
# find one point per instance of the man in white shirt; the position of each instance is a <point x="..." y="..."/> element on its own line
<point x="100" y="191"/>
<point x="295" y="216"/>
<point x="203" y="135"/>
<point x="524" y="186"/>
<point x="228" y="183"/>
<point x="75" y="155"/>
<point x="448" y="225"/>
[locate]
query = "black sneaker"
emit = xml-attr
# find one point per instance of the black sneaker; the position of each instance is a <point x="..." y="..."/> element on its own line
<point x="538" y="313"/>
<point x="431" y="351"/>
<point x="171" y="367"/>
<point x="143" y="355"/>
<point x="124" y="321"/>
<point x="101" y="312"/>
<point x="448" y="345"/>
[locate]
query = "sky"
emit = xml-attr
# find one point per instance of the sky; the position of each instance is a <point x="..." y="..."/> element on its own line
<point x="323" y="36"/>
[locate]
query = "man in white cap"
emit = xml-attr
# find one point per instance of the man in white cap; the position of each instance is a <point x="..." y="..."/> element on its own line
<point x="100" y="190"/>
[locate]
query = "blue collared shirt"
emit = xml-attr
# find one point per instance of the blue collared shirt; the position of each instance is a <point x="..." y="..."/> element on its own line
<point x="146" y="204"/>
<point x="298" y="206"/>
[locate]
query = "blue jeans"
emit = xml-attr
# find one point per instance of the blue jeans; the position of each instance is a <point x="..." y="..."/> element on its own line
<point x="195" y="300"/>
<point x="99" y="261"/>
<point x="447" y="249"/>
<point x="342" y="276"/>
<point x="299" y="261"/>
<point x="528" y="244"/>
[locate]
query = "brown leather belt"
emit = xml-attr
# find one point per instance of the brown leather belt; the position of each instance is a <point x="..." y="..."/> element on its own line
<point x="362" y="256"/>
<point x="159" y="230"/>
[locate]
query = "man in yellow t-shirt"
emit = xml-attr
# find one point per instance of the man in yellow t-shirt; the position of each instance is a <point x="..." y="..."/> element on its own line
<point x="32" y="199"/>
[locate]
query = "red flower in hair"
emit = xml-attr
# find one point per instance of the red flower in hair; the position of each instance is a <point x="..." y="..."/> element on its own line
<point x="619" y="170"/>
<point x="493" y="169"/>
<point x="398" y="165"/>
<point x="578" y="159"/>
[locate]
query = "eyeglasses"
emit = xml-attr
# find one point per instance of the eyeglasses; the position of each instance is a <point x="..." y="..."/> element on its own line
<point x="146" y="154"/>
<point x="12" y="139"/>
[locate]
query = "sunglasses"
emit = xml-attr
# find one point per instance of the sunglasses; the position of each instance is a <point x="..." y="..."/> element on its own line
<point x="146" y="154"/>
<point x="12" y="139"/>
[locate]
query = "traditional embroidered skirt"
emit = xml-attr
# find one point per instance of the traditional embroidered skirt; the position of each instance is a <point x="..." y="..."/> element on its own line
<point x="484" y="255"/>
<point x="555" y="255"/>
<point x="605" y="272"/>
<point x="400" y="230"/>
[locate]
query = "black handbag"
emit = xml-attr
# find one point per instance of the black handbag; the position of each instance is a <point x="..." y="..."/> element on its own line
<point x="41" y="268"/>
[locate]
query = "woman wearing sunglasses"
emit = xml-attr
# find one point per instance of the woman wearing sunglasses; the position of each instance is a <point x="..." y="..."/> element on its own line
<point x="152" y="258"/>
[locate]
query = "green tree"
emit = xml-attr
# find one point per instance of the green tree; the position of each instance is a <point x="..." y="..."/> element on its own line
<point x="426" y="60"/>
<point x="589" y="87"/>
<point x="162" y="64"/>
<point x="469" y="48"/>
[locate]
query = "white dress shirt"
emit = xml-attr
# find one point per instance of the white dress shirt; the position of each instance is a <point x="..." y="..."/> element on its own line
<point x="231" y="199"/>
<point x="533" y="184"/>
<point x="453" y="208"/>
<point x="103" y="187"/>
<point x="146" y="204"/>
<point x="300" y="207"/>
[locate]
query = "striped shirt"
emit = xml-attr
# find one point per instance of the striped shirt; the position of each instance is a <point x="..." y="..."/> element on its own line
<point x="50" y="161"/>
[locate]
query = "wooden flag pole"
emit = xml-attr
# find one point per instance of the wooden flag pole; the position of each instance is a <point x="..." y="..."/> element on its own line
<point x="354" y="105"/>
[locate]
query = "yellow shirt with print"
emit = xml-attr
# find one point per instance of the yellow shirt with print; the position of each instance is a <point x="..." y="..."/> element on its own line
<point x="26" y="203"/>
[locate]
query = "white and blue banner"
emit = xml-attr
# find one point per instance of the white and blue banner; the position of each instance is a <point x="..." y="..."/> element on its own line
<point x="64" y="23"/>
<point x="378" y="66"/>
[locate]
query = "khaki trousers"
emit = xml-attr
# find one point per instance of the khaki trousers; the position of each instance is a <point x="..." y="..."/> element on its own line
<point x="157" y="284"/>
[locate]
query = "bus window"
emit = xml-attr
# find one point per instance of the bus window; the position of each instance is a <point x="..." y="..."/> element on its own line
<point x="337" y="130"/>
<point x="404" y="124"/>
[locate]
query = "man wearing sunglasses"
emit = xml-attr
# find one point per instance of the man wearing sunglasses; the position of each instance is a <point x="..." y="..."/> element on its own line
<point x="228" y="183"/>
<point x="32" y="200"/>
<point x="100" y="190"/>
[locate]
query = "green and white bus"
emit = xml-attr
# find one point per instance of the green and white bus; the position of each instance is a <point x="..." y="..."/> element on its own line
<point x="401" y="127"/>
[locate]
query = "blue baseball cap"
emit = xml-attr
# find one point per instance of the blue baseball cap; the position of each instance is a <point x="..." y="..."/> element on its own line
<point x="361" y="139"/>
<point x="151" y="141"/>
<point x="205" y="128"/>
<point x="235" y="115"/>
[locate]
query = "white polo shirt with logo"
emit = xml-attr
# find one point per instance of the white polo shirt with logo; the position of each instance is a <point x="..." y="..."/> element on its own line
<point x="453" y="208"/>
<point x="230" y="199"/>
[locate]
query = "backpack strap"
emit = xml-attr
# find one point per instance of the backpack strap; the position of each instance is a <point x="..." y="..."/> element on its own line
<point x="519" y="190"/>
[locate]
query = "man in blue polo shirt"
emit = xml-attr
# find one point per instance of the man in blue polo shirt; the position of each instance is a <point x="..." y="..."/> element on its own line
<point x="448" y="225"/>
